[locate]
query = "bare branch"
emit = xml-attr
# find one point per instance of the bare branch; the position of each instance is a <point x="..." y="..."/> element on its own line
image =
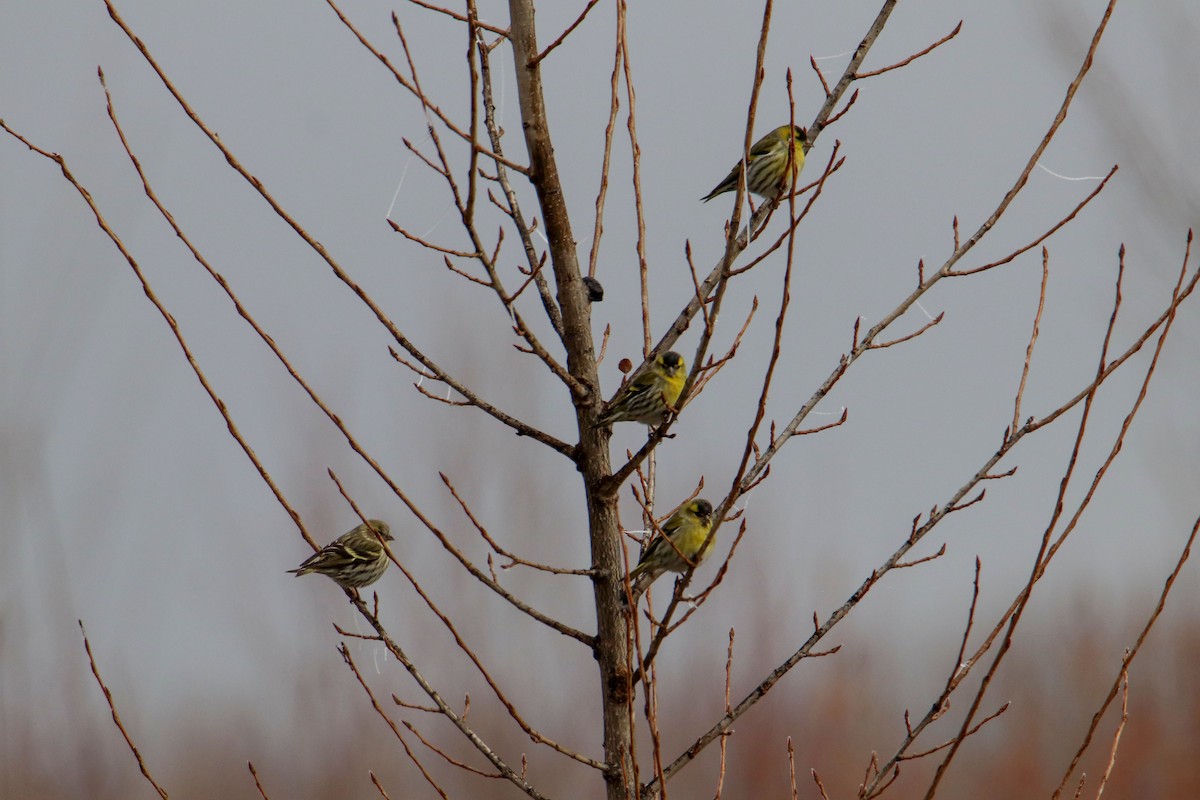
<point x="513" y="559"/>
<point x="1050" y="232"/>
<point x="908" y="337"/>
<point x="345" y="653"/>
<point x="553" y="313"/>
<point x="113" y="708"/>
<point x="1128" y="659"/>
<point x="460" y="17"/>
<point x="412" y="237"/>
<point x="905" y="564"/>
<point x="562" y="37"/>
<point x="914" y="56"/>
<point x="175" y="331"/>
<point x="261" y="792"/>
<point x="1033" y="335"/>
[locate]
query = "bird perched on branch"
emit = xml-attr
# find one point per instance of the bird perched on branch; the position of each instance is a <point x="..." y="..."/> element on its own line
<point x="767" y="168"/>
<point x="649" y="397"/>
<point x="355" y="559"/>
<point x="681" y="545"/>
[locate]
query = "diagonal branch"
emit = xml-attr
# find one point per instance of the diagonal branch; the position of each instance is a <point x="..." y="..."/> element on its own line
<point x="563" y="36"/>
<point x="222" y="408"/>
<point x="443" y="707"/>
<point x="117" y="717"/>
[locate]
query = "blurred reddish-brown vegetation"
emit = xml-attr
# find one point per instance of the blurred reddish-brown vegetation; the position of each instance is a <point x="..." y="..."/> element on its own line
<point x="837" y="711"/>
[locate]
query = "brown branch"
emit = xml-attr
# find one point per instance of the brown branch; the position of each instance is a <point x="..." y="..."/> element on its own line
<point x="1048" y="550"/>
<point x="614" y="105"/>
<point x="492" y="584"/>
<point x="412" y="237"/>
<point x="820" y="75"/>
<point x="175" y="331"/>
<point x="443" y="708"/>
<point x="463" y="273"/>
<point x="1163" y="319"/>
<point x="817" y="781"/>
<point x="447" y="757"/>
<point x="397" y="700"/>
<point x="1128" y="659"/>
<point x="908" y="337"/>
<point x="553" y="313"/>
<point x="845" y="109"/>
<point x="1050" y="232"/>
<point x="513" y="558"/>
<point x="521" y="428"/>
<point x="442" y="169"/>
<point x="445" y="400"/>
<point x="956" y="740"/>
<point x="261" y="792"/>
<point x="1033" y="335"/>
<point x="461" y="18"/>
<point x="1112" y="753"/>
<point x="835" y="95"/>
<point x="962" y="664"/>
<point x="379" y="786"/>
<point x="368" y="637"/>
<point x="883" y="777"/>
<point x="724" y="739"/>
<point x="906" y="564"/>
<point x="345" y="653"/>
<point x="914" y="56"/>
<point x="840" y="421"/>
<point x="113" y="708"/>
<point x="533" y="62"/>
<point x="635" y="152"/>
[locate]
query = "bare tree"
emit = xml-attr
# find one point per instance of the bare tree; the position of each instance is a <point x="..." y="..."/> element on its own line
<point x="547" y="292"/>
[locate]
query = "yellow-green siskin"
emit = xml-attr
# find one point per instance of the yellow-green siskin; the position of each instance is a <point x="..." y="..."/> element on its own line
<point x="687" y="529"/>
<point x="651" y="395"/>
<point x="767" y="168"/>
<point x="355" y="559"/>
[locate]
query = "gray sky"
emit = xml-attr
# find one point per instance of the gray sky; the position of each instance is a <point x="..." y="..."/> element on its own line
<point x="124" y="502"/>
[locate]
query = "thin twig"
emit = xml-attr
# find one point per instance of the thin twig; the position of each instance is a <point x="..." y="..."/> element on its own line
<point x="1033" y="335"/>
<point x="261" y="792"/>
<point x="345" y="653"/>
<point x="117" y="717"/>
<point x="461" y="18"/>
<point x="914" y="56"/>
<point x="562" y="37"/>
<point x="175" y="330"/>
<point x="1130" y="655"/>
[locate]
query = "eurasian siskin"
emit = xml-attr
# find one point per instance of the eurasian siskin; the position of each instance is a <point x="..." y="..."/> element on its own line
<point x="687" y="529"/>
<point x="649" y="397"/>
<point x="355" y="559"/>
<point x="767" y="168"/>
